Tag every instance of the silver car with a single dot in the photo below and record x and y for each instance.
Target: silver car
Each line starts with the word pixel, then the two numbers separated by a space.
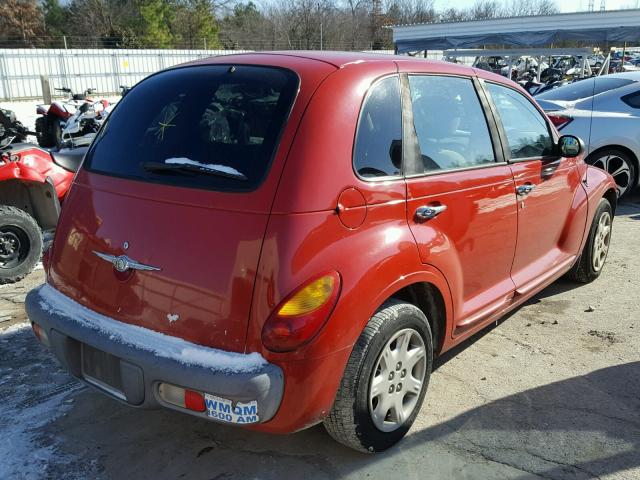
pixel 605 113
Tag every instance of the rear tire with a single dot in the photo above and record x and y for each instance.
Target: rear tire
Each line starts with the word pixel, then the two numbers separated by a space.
pixel 56 132
pixel 20 244
pixel 353 420
pixel 589 265
pixel 43 133
pixel 48 132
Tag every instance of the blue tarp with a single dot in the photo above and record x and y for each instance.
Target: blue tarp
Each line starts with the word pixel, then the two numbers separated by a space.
pixel 521 39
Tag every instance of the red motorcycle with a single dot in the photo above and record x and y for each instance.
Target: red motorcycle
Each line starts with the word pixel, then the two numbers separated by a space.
pixel 33 185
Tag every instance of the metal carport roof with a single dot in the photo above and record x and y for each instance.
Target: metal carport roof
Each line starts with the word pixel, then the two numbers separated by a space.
pixel 614 26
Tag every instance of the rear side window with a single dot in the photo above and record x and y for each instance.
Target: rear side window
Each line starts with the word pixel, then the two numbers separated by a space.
pixel 378 146
pixel 450 124
pixel 526 128
pixel 632 99
pixel 212 126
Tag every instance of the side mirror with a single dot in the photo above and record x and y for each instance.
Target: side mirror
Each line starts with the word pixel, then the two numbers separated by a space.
pixel 570 146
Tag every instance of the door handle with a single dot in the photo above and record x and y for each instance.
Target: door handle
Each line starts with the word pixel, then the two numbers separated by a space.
pixel 429 212
pixel 524 190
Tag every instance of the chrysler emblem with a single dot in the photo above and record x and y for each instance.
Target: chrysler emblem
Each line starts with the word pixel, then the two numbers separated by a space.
pixel 123 263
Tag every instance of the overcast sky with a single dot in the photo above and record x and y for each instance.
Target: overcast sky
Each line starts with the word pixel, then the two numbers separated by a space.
pixel 564 5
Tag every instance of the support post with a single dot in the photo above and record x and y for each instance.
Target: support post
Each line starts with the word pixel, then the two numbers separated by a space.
pixel 539 74
pixel 584 65
pixel 46 89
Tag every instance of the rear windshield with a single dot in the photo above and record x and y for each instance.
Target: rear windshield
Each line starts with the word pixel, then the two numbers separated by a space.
pixel 210 126
pixel 584 88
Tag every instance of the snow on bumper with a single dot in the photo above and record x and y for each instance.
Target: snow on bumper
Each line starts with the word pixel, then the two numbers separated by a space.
pixel 147 358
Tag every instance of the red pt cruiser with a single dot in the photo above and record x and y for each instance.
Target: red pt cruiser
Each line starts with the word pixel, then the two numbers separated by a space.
pixel 280 239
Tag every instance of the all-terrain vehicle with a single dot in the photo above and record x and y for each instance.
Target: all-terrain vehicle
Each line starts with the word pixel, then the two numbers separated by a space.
pixel 33 184
pixel 11 130
pixel 54 118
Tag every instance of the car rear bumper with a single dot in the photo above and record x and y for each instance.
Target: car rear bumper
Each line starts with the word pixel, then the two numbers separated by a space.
pixel 146 358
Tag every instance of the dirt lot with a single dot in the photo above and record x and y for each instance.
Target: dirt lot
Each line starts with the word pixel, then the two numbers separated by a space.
pixel 553 391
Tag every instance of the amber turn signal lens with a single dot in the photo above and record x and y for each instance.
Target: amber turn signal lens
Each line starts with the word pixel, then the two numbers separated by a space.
pixel 310 298
pixel 302 315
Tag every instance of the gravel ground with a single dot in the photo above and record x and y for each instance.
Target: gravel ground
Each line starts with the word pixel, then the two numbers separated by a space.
pixel 552 391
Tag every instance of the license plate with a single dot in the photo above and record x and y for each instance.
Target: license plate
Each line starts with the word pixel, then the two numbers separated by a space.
pixel 102 369
pixel 222 409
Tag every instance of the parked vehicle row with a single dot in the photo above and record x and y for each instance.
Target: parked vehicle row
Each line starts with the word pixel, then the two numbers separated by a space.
pixel 605 113
pixel 333 223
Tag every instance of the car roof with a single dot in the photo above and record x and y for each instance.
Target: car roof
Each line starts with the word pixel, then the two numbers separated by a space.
pixel 335 58
pixel 635 76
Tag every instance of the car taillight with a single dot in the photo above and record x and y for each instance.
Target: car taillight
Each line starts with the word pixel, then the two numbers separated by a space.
pixel 559 120
pixel 301 315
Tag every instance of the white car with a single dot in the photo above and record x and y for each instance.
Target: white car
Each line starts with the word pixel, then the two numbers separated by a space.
pixel 605 113
pixel 595 61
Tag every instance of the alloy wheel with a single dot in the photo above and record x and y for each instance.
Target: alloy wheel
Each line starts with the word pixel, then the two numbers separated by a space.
pixel 601 241
pixel 618 168
pixel 397 380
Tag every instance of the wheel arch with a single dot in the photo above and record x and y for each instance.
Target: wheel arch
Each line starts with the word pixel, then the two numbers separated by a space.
pixel 612 197
pixel 38 199
pixel 428 298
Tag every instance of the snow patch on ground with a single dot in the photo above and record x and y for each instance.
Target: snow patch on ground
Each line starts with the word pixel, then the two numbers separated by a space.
pixel 13 329
pixel 173 348
pixel 210 166
pixel 22 454
pixel 31 399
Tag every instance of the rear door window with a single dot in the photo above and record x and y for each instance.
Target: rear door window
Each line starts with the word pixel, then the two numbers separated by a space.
pixel 450 124
pixel 212 126
pixel 378 146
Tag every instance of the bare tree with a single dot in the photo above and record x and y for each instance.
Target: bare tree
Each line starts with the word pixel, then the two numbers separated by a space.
pixel 518 8
pixel 21 19
pixel 358 15
pixel 486 9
